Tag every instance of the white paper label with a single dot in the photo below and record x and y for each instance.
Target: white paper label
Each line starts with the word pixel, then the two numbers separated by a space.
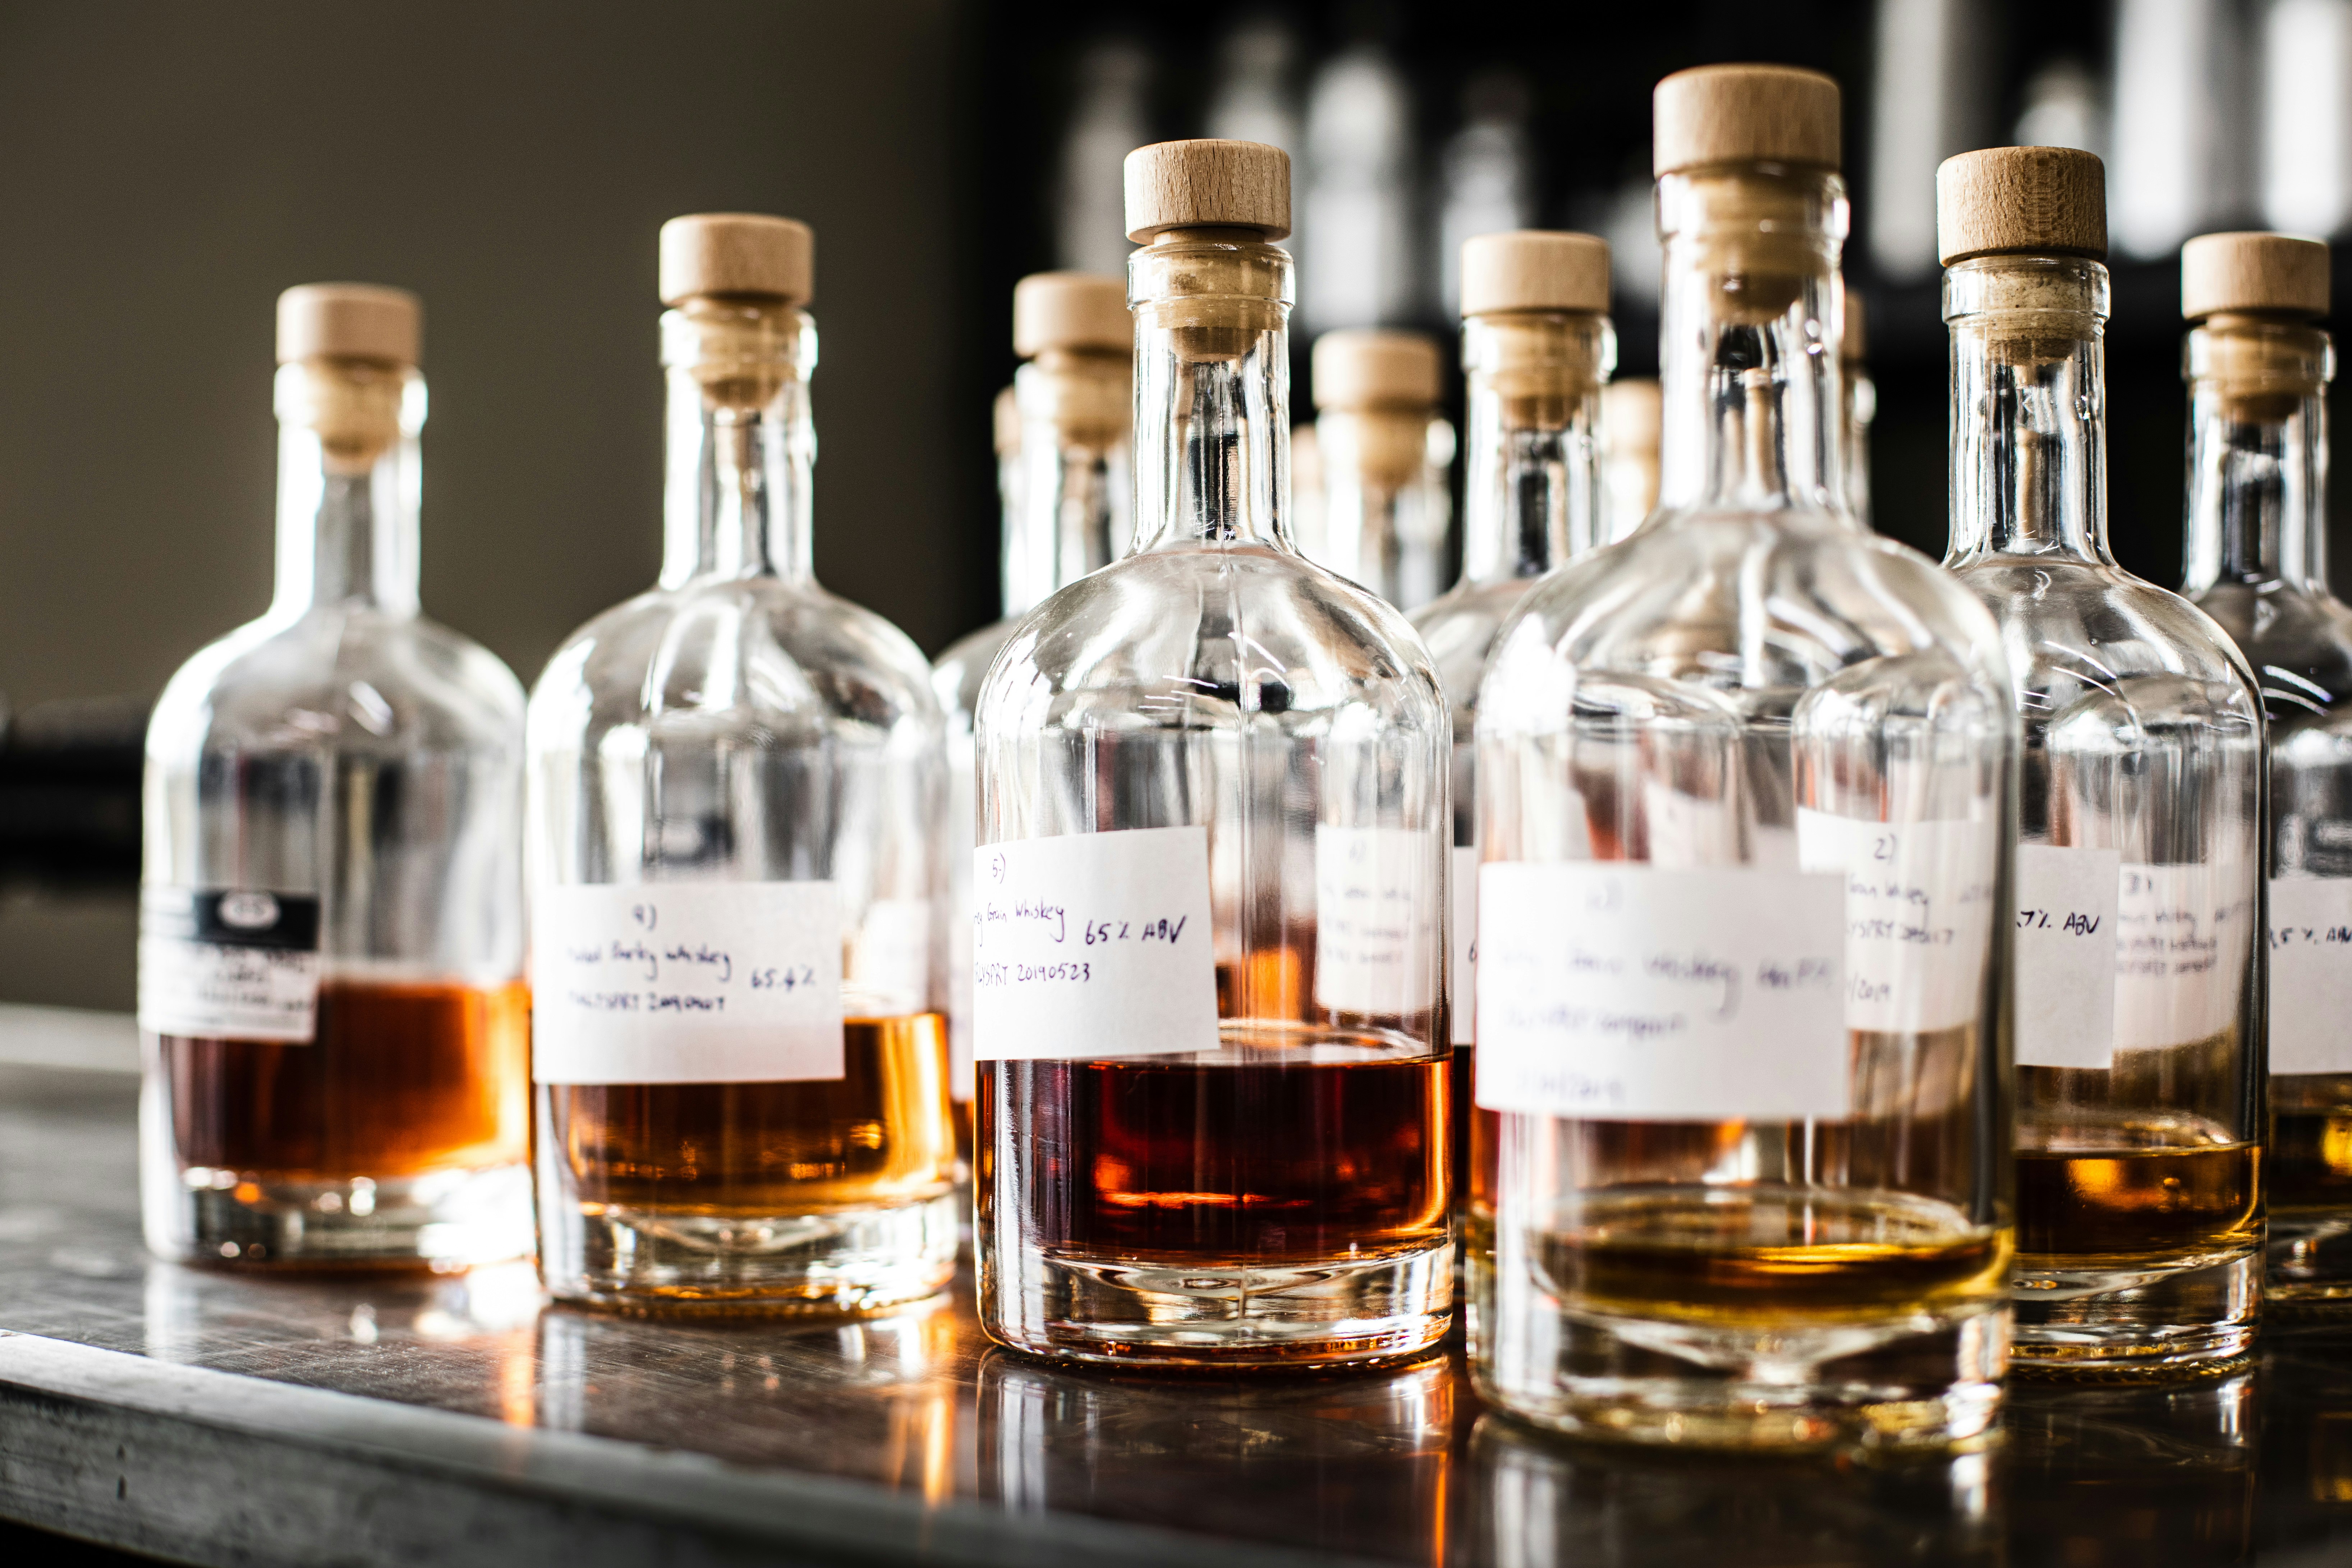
pixel 686 982
pixel 2311 974
pixel 235 964
pixel 1462 991
pixel 1093 944
pixel 888 963
pixel 1377 918
pixel 2065 955
pixel 1619 992
pixel 2182 933
pixel 1918 912
pixel 962 810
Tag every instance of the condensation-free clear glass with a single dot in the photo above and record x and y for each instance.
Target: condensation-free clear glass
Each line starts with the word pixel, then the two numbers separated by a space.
pixel 2257 563
pixel 738 724
pixel 1691 703
pixel 1387 500
pixel 346 750
pixel 2139 1204
pixel 1279 1196
pixel 1067 494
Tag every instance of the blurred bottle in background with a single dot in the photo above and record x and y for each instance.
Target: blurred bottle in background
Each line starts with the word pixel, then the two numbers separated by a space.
pixel 1857 406
pixel 2306 115
pixel 1486 173
pixel 1257 98
pixel 2062 108
pixel 1109 115
pixel 2180 129
pixel 1926 103
pixel 1387 461
pixel 1629 454
pixel 1357 255
pixel 1307 491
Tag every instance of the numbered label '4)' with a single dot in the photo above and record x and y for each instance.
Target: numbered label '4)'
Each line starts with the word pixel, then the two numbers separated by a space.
pixel 1093 944
pixel 1621 991
pixel 686 982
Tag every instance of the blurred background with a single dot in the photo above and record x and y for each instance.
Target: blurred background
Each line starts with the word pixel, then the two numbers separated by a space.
pixel 169 168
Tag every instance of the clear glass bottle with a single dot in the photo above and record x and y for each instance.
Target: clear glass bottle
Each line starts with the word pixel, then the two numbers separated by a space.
pixel 1748 1180
pixel 2139 1104
pixel 1629 454
pixel 1387 463
pixel 741 1083
pixel 2258 365
pixel 1537 347
pixel 1857 408
pixel 1068 495
pixel 331 928
pixel 1210 953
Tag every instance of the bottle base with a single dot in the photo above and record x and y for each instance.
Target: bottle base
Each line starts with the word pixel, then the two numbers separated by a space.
pixel 1212 1314
pixel 2130 1318
pixel 2309 1266
pixel 443 1220
pixel 847 1263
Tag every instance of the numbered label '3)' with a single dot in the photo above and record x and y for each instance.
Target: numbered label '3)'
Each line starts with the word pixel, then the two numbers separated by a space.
pixel 1093 944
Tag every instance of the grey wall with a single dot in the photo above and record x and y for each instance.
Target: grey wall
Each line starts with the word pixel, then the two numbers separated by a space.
pixel 166 168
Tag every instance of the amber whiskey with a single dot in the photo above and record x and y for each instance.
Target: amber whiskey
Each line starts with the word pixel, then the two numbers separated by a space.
pixel 711 1151
pixel 402 1079
pixel 2144 1203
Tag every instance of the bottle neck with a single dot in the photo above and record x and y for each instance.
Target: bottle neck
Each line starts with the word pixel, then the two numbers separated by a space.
pixel 741 443
pixel 1859 402
pixel 1384 499
pixel 1532 495
pixel 348 486
pixel 1748 339
pixel 1212 389
pixel 1069 511
pixel 2257 454
pixel 2029 439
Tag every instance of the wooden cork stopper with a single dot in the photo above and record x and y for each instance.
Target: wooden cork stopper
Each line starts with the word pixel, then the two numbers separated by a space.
pixel 1632 412
pixel 1746 114
pixel 2021 201
pixel 2265 274
pixel 1853 343
pixel 1207 184
pixel 348 320
pixel 1365 367
pixel 744 255
pixel 1071 311
pixel 1007 422
pixel 1534 269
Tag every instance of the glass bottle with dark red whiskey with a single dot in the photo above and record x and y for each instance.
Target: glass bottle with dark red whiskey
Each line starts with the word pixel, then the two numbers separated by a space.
pixel 1209 897
pixel 1536 348
pixel 2140 1098
pixel 331 945
pixel 1066 491
pixel 739 1079
pixel 2258 365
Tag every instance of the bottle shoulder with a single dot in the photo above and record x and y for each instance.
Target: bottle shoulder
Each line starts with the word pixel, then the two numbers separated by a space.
pixel 1238 626
pixel 957 674
pixel 338 679
pixel 780 657
pixel 2298 642
pixel 1742 605
pixel 2068 621
pixel 1459 628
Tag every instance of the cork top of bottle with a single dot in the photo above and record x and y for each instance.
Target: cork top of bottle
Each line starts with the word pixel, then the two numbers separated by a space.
pixel 747 256
pixel 2267 274
pixel 1006 418
pixel 1746 114
pixel 1070 310
pixel 1370 368
pixel 1207 184
pixel 2021 201
pixel 1632 412
pixel 1534 269
pixel 350 321
pixel 1853 344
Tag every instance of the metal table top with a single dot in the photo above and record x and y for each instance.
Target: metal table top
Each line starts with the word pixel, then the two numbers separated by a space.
pixel 215 1417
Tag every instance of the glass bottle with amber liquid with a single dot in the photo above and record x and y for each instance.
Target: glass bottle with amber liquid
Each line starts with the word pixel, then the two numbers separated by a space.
pixel 1537 350
pixel 330 943
pixel 2139 1099
pixel 740 1080
pixel 2258 364
pixel 1744 801
pixel 1067 493
pixel 1386 462
pixel 1208 965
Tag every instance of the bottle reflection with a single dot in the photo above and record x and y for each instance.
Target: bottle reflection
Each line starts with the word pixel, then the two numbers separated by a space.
pixel 872 1401
pixel 1538 1501
pixel 1352 1464
pixel 2139 1476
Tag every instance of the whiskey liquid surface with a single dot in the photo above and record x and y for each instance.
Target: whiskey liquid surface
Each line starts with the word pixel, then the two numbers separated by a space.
pixel 2086 1190
pixel 2310 1156
pixel 1769 1255
pixel 878 1135
pixel 400 1079
pixel 1293 1142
